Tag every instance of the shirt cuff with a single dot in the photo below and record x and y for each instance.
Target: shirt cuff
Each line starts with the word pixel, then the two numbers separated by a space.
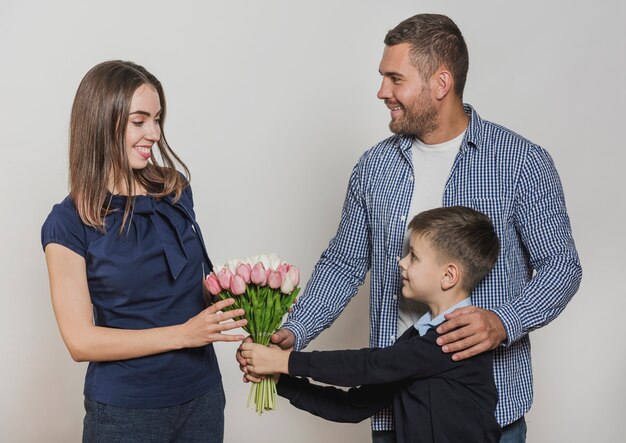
pixel 299 332
pixel 511 321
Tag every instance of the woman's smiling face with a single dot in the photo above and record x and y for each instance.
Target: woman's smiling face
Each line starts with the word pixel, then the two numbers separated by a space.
pixel 143 128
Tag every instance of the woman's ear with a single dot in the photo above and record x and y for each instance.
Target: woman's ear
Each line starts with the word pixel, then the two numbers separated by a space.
pixel 450 277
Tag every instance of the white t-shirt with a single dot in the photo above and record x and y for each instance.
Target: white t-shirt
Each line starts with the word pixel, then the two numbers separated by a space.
pixel 431 169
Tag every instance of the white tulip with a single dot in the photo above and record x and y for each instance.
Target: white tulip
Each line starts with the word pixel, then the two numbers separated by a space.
pixel 274 261
pixel 287 287
pixel 265 260
pixel 249 260
pixel 232 265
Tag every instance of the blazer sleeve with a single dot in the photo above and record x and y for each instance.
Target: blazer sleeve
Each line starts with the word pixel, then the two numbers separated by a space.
pixel 334 404
pixel 410 357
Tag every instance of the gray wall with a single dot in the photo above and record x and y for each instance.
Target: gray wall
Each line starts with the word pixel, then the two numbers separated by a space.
pixel 281 95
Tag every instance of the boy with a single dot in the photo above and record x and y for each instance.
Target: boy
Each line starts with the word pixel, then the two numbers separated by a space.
pixel 434 398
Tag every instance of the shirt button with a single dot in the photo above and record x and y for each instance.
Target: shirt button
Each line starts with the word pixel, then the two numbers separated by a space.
pixel 411 178
pixel 395 297
pixel 392 338
pixel 403 217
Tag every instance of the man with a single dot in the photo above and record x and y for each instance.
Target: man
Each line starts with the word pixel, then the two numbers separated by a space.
pixel 443 153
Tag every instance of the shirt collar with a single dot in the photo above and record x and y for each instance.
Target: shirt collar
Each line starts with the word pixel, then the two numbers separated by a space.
pixel 426 321
pixel 473 134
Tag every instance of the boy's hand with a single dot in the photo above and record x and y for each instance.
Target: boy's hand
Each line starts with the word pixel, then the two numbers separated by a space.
pixel 470 331
pixel 284 338
pixel 243 365
pixel 265 360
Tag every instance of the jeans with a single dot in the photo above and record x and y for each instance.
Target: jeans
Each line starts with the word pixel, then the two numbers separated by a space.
pixel 198 420
pixel 514 432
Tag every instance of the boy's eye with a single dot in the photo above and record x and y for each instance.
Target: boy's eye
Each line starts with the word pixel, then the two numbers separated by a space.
pixel 138 123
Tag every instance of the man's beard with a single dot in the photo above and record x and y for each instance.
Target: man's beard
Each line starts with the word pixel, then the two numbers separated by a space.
pixel 419 118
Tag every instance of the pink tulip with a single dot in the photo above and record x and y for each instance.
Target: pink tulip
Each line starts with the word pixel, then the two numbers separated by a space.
pixel 224 277
pixel 244 270
pixel 283 268
pixel 237 285
pixel 212 284
pixel 274 280
pixel 258 275
pixel 295 275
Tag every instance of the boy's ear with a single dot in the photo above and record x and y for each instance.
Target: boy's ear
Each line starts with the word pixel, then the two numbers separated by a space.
pixel 450 277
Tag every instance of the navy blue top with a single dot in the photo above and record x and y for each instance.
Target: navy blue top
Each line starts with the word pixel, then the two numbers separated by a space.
pixel 147 277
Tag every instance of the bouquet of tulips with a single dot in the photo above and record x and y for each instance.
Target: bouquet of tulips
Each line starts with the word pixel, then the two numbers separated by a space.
pixel 265 288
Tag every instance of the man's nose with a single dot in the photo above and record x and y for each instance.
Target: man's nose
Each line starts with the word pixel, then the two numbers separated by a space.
pixel 384 92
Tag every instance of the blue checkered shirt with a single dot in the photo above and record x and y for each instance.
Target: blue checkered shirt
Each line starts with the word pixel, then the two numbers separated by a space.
pixel 497 172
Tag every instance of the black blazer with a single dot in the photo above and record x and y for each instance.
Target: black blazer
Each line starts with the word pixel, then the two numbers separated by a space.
pixel 435 399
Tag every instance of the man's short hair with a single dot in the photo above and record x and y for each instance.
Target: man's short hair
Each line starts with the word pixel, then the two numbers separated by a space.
pixel 435 40
pixel 462 235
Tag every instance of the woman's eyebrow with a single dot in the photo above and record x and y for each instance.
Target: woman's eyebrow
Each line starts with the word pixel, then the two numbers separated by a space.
pixel 147 114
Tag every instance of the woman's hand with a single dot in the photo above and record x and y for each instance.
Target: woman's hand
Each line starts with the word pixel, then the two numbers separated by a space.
pixel 208 325
pixel 265 360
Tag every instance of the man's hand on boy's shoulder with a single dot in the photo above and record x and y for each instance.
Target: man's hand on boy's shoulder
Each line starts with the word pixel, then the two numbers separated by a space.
pixel 470 331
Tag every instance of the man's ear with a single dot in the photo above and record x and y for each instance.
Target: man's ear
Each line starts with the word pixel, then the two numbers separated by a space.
pixel 450 277
pixel 442 83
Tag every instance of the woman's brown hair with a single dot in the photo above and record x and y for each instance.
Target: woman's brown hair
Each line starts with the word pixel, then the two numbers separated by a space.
pixel 97 151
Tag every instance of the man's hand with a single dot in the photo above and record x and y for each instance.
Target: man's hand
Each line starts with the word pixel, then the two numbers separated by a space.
pixel 470 331
pixel 283 338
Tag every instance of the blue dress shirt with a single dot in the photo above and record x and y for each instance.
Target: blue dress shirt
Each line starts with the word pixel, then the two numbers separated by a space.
pixel 426 321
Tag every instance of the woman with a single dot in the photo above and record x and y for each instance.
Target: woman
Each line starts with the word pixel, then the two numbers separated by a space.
pixel 126 259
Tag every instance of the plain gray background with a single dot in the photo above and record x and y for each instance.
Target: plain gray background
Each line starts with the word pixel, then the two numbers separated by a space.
pixel 270 104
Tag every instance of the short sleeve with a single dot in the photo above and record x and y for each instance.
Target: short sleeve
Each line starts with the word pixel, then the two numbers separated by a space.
pixel 64 227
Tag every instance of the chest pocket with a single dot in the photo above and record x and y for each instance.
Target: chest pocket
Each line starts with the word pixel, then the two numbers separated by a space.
pixel 494 208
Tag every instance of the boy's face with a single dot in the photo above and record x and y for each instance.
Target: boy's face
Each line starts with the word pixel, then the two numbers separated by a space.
pixel 422 272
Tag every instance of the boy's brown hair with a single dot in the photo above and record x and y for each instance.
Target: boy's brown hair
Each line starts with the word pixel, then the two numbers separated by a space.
pixel 460 234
